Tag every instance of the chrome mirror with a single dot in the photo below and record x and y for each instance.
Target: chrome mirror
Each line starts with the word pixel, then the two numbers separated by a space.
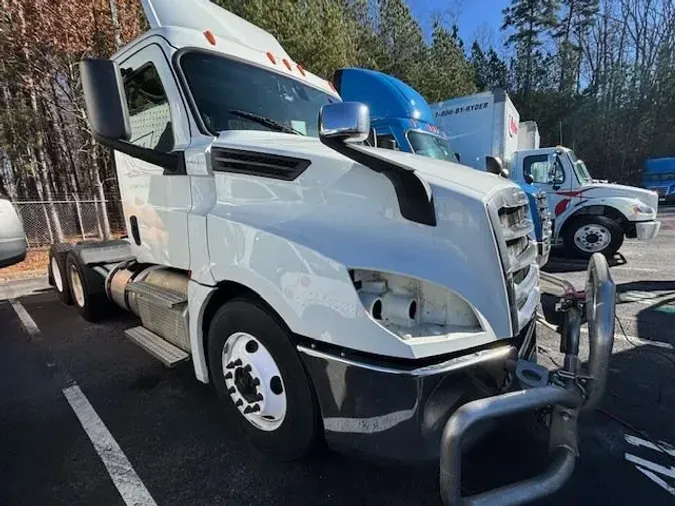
pixel 346 121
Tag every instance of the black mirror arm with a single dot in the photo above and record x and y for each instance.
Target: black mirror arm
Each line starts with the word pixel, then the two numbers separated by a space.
pixel 173 163
pixel 414 202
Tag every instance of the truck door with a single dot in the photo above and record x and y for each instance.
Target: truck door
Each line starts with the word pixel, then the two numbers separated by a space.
pixel 156 201
pixel 549 176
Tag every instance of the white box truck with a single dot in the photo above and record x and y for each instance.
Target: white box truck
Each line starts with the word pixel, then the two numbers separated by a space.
pixel 589 216
pixel 327 289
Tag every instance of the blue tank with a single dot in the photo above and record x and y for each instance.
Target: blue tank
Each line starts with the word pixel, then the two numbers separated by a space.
pixel 403 120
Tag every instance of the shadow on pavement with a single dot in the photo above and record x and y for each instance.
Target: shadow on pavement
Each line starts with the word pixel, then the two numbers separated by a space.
pixel 562 261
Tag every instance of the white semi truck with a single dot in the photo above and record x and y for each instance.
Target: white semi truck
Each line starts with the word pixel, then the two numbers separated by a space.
pixel 327 289
pixel 589 216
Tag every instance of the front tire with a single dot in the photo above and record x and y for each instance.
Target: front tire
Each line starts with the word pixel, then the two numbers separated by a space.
pixel 593 234
pixel 261 381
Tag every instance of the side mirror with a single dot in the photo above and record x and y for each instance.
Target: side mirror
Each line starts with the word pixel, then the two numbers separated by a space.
pixel 106 103
pixel 529 179
pixel 494 165
pixel 345 121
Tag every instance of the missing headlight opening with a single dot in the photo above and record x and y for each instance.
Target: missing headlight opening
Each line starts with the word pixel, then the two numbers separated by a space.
pixel 413 308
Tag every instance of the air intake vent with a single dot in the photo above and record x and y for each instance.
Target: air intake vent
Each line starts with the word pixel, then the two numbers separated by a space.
pixel 258 164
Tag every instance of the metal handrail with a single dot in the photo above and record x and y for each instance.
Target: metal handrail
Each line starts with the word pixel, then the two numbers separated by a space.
pixel 566 391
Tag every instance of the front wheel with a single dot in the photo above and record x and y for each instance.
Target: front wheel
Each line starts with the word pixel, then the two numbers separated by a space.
pixel 593 234
pixel 261 381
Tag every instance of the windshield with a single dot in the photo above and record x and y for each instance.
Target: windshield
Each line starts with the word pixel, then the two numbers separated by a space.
pixel 580 169
pixel 430 145
pixel 232 95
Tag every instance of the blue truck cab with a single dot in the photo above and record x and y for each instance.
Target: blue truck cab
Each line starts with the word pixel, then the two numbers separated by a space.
pixel 403 120
pixel 400 116
pixel 659 175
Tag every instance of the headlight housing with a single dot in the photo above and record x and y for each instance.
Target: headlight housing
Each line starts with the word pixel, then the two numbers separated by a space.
pixel 640 208
pixel 413 308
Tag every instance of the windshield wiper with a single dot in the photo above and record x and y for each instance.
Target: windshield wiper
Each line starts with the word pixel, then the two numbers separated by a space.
pixel 265 121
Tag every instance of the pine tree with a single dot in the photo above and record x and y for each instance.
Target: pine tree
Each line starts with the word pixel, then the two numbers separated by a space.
pixel 491 71
pixel 480 64
pixel 401 35
pixel 579 16
pixel 448 73
pixel 529 19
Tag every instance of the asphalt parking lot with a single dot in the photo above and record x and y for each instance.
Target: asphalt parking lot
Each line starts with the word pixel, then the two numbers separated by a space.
pixel 79 404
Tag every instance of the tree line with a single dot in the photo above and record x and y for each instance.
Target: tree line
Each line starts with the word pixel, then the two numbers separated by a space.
pixel 597 75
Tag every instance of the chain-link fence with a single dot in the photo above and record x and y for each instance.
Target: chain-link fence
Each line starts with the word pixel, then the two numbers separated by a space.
pixel 72 220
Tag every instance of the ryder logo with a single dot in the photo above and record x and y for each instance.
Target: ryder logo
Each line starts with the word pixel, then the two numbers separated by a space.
pixel 513 127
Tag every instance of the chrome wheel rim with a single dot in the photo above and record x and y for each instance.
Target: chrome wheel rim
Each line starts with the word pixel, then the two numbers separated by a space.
pixel 592 238
pixel 56 275
pixel 253 381
pixel 76 286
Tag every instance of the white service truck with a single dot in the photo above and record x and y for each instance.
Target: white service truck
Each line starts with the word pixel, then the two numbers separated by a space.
pixel 589 216
pixel 327 289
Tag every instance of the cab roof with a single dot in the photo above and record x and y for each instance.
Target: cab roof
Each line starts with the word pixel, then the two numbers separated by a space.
pixel 386 96
pixel 202 24
pixel 201 15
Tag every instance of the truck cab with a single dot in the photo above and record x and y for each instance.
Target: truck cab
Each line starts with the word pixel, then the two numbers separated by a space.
pixel 588 216
pixel 329 290
pixel 659 176
pixel 400 117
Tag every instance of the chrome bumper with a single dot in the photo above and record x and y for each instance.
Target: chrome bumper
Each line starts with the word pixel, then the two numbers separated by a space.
pixel 567 390
pixel 647 230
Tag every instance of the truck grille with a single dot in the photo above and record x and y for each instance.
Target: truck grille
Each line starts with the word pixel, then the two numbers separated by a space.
pixel 509 212
pixel 546 227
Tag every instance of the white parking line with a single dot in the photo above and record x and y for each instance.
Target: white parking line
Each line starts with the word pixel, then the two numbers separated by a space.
pixel 26 320
pixel 130 486
pixel 128 483
pixel 648 468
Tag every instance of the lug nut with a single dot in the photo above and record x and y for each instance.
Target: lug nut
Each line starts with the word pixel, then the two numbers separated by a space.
pixel 239 402
pixel 255 382
pixel 228 376
pixel 247 368
pixel 259 397
pixel 251 409
pixel 235 363
pixel 231 390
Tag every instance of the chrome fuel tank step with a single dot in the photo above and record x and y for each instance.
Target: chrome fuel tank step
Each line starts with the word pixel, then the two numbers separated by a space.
pixel 159 348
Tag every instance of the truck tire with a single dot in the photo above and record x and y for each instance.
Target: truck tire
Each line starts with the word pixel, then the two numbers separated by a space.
pixel 261 381
pixel 593 234
pixel 56 270
pixel 87 288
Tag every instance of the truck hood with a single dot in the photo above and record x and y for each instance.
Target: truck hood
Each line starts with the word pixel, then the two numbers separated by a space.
pixel 348 213
pixel 599 190
pixel 440 173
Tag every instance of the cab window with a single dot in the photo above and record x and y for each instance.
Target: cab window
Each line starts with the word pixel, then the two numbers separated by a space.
pixel 539 168
pixel 149 113
pixel 387 141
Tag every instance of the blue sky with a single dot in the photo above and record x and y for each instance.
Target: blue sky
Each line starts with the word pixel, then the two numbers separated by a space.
pixel 474 17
